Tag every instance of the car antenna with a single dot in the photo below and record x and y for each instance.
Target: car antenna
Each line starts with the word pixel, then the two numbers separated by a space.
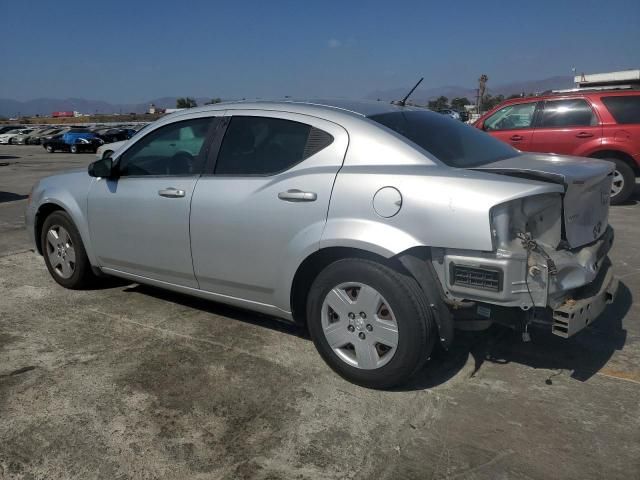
pixel 403 102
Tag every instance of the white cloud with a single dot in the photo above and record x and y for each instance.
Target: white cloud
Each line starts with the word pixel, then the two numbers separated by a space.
pixel 334 43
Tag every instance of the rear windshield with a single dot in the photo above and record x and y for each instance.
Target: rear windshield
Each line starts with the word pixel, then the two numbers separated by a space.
pixel 624 109
pixel 450 141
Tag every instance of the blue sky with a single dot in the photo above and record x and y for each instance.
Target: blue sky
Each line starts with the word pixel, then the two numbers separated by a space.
pixel 132 51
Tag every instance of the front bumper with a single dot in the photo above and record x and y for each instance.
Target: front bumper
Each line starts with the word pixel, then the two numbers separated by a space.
pixel 586 304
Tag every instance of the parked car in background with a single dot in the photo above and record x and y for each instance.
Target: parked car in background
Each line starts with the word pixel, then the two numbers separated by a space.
pixel 379 227
pixel 74 142
pixel 9 138
pixel 450 112
pixel 589 123
pixel 107 149
pixel 21 138
pixel 36 137
pixel 7 128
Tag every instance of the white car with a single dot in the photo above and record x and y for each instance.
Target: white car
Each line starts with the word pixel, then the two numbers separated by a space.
pixel 8 138
pixel 108 149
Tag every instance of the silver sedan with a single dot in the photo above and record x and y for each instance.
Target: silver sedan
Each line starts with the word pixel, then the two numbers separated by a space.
pixel 381 228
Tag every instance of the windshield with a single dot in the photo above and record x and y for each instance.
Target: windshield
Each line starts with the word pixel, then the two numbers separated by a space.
pixel 450 141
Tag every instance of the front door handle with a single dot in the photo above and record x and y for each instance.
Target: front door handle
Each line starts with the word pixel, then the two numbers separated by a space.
pixel 516 138
pixel 171 193
pixel 584 135
pixel 297 196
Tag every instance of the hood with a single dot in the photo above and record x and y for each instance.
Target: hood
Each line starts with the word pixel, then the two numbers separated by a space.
pixel 587 188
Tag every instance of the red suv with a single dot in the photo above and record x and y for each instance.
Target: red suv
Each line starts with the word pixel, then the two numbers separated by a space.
pixel 598 124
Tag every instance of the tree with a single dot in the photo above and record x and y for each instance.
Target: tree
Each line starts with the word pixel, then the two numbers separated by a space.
pixel 438 104
pixel 458 103
pixel 213 101
pixel 489 101
pixel 186 102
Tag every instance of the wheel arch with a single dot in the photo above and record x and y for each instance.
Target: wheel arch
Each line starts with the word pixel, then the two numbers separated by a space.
pixel 413 262
pixel 42 213
pixel 620 155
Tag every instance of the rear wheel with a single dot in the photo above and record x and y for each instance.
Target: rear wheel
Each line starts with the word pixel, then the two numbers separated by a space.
pixel 624 181
pixel 74 149
pixel 49 149
pixel 370 323
pixel 64 252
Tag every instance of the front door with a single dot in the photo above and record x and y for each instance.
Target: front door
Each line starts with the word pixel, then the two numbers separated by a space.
pixel 513 124
pixel 263 206
pixel 139 222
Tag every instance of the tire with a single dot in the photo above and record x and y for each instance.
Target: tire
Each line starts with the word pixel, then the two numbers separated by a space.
pixel 67 249
pixel 10 141
pixel 49 148
pixel 74 149
pixel 624 181
pixel 401 306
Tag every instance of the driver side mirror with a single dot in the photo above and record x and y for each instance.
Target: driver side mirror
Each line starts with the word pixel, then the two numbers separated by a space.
pixel 103 168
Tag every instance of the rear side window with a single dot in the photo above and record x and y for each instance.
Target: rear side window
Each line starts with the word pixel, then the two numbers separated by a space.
pixel 624 109
pixel 567 113
pixel 266 146
pixel 450 141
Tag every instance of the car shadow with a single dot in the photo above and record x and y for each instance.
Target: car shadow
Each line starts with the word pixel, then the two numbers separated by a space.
pixel 633 199
pixel 11 197
pixel 220 309
pixel 8 157
pixel 583 355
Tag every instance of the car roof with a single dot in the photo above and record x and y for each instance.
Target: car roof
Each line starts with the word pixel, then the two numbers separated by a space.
pixel 571 94
pixel 321 107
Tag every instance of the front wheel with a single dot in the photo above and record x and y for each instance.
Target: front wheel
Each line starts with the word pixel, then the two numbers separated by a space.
pixel 370 323
pixel 64 252
pixel 49 149
pixel 624 181
pixel 74 149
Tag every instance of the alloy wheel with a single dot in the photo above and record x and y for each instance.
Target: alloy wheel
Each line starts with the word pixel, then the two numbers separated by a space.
pixel 60 251
pixel 359 325
pixel 618 183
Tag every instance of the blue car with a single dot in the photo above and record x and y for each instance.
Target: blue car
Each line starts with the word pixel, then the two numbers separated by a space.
pixel 74 141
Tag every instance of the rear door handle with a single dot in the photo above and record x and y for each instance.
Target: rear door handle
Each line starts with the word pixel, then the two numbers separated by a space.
pixel 516 138
pixel 297 196
pixel 584 135
pixel 171 193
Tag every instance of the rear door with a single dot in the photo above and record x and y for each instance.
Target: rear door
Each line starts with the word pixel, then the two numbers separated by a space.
pixel 513 124
pixel 263 206
pixel 566 127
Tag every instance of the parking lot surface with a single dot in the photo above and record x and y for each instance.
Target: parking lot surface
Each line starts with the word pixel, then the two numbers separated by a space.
pixel 129 381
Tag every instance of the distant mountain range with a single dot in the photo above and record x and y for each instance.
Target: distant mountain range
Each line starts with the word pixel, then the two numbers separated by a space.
pixel 44 106
pixel 423 95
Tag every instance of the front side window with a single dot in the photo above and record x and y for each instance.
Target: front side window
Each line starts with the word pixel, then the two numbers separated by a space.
pixel 266 146
pixel 511 117
pixel 450 141
pixel 567 113
pixel 176 149
pixel 625 109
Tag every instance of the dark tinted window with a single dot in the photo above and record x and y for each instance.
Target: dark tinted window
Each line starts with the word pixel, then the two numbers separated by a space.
pixel 624 109
pixel 265 146
pixel 567 113
pixel 450 141
pixel 175 149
